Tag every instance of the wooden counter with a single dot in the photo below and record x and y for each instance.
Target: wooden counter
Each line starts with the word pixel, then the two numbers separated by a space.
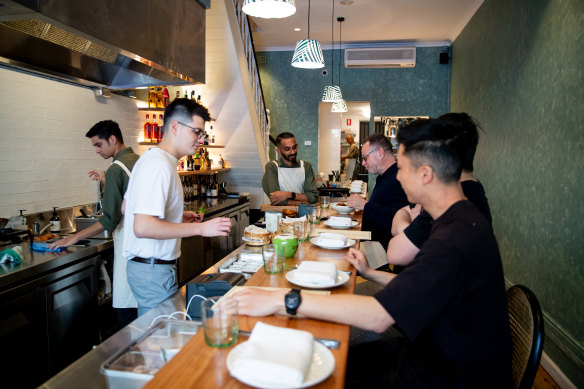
pixel 200 366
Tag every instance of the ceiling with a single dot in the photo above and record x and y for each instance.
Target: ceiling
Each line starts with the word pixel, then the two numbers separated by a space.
pixel 368 22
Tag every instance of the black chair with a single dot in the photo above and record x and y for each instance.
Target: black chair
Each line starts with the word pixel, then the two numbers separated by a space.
pixel 527 333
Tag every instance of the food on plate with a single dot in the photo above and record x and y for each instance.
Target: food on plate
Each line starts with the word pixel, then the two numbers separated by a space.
pixel 290 213
pixel 342 204
pixel 257 235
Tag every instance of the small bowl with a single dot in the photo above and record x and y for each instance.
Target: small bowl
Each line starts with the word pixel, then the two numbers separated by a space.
pixel 289 240
pixel 342 208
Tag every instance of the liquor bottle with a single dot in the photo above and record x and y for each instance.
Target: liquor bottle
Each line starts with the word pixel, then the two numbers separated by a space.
pixel 209 160
pixel 155 129
pixel 186 96
pixel 166 97
pixel 193 95
pixel 199 99
pixel 160 125
pixel 177 95
pixel 55 221
pixel 195 187
pixel 147 129
pixel 221 162
pixel 212 135
pixel 190 163
pixel 203 188
pixel 159 98
pixel 151 97
pixel 197 161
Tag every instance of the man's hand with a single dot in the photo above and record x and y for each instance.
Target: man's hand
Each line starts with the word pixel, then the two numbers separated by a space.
pixel 278 196
pixel 68 241
pixel 259 302
pixel 358 259
pixel 216 227
pixel 415 212
pixel 97 175
pixel 192 217
pixel 356 201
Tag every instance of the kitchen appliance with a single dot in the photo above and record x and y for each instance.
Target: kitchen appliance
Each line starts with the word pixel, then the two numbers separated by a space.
pixel 107 43
pixel 11 236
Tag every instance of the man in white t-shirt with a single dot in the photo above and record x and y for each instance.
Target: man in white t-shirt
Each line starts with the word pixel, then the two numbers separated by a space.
pixel 154 220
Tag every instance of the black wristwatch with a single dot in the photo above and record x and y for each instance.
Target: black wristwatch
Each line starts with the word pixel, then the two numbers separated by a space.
pixel 293 196
pixel 292 301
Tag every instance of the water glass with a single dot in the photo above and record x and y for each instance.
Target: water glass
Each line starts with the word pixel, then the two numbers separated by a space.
pixel 314 215
pixel 219 321
pixel 325 202
pixel 273 256
pixel 301 230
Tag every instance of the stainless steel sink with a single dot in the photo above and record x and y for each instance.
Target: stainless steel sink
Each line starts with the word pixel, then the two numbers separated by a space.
pixel 85 222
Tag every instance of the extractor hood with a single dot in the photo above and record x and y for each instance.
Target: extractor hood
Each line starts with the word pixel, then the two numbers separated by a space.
pixel 118 44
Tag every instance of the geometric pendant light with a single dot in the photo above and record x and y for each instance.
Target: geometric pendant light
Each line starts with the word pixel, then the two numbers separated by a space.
pixel 269 9
pixel 339 106
pixel 308 53
pixel 332 92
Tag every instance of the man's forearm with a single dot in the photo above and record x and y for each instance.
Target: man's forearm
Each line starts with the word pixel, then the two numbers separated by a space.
pixel 151 227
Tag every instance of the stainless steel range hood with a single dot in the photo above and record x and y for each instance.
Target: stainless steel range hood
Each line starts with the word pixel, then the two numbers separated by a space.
pixel 118 44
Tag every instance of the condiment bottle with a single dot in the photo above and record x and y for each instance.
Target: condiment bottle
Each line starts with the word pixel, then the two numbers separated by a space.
pixel 147 129
pixel 55 221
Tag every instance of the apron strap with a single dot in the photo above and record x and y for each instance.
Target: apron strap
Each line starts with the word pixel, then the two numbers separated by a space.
pixel 124 167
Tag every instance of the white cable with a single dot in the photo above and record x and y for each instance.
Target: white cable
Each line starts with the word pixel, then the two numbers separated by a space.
pixel 171 316
pixel 191 299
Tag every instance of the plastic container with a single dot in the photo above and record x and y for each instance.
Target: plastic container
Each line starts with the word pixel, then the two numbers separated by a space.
pixel 136 364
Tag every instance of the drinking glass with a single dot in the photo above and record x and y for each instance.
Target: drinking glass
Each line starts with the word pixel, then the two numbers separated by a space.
pixel 219 321
pixel 325 202
pixel 273 256
pixel 301 230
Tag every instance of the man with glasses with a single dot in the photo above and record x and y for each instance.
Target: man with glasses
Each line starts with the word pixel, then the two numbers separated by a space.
pixel 154 220
pixel 291 181
pixel 387 196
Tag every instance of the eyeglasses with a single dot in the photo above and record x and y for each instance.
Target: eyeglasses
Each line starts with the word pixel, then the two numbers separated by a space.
pixel 199 132
pixel 367 155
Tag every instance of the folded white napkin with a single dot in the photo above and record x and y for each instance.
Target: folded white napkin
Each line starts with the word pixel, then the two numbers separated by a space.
pixel 356 186
pixel 332 240
pixel 314 272
pixel 275 356
pixel 340 221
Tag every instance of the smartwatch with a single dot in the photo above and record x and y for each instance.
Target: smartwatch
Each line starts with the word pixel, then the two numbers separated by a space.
pixel 293 196
pixel 292 301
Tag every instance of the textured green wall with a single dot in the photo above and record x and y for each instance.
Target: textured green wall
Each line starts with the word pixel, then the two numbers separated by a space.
pixel 292 95
pixel 517 68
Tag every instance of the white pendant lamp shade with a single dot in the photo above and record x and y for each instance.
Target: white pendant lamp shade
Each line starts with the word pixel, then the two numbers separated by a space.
pixel 331 94
pixel 269 9
pixel 308 55
pixel 339 106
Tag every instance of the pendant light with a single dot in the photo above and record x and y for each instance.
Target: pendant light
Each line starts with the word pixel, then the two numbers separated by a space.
pixel 308 53
pixel 332 93
pixel 269 9
pixel 340 105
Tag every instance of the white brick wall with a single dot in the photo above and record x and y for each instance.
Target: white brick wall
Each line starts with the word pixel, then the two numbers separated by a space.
pixel 44 154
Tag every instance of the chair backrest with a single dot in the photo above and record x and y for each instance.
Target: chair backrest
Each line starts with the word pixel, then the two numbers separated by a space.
pixel 527 333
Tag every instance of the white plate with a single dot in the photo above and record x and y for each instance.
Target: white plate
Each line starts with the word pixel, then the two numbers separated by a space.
pixel 342 277
pixel 353 224
pixel 321 367
pixel 315 241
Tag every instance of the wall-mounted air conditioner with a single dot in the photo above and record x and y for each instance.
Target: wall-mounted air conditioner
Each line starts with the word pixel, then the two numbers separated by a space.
pixel 381 57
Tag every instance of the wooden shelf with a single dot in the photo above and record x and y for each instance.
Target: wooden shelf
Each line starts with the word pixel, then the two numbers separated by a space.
pixel 200 147
pixel 203 172
pixel 152 109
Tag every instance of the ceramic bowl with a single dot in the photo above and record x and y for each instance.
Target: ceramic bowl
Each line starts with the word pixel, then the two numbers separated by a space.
pixel 342 208
pixel 289 240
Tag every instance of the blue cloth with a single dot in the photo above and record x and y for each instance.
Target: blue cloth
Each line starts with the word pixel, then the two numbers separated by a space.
pixel 387 198
pixel 151 284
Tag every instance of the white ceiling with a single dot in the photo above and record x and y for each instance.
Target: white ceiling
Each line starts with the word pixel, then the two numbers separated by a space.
pixel 415 22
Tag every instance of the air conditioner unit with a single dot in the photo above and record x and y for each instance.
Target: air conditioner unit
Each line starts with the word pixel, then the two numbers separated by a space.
pixel 381 57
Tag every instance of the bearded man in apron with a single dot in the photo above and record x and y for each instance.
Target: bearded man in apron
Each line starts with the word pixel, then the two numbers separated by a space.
pixel 106 138
pixel 289 181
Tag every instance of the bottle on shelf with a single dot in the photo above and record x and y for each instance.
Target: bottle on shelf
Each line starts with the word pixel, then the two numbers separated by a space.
pixel 160 125
pixel 166 97
pixel 155 129
pixel 197 161
pixel 177 95
pixel 212 135
pixel 190 163
pixel 203 188
pixel 151 97
pixel 193 95
pixel 209 160
pixel 159 98
pixel 55 221
pixel 147 129
pixel 221 162
pixel 199 99
pixel 186 96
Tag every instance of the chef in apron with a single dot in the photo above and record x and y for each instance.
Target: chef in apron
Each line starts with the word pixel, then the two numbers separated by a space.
pixel 289 181
pixel 351 157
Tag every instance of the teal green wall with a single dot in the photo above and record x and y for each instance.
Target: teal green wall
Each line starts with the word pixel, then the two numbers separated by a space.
pixel 518 68
pixel 292 94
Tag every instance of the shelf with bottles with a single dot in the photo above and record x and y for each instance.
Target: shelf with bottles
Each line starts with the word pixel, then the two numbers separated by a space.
pixel 203 172
pixel 151 109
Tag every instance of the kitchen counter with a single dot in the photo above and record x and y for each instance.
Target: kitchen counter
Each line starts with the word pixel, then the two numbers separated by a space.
pixel 214 205
pixel 37 263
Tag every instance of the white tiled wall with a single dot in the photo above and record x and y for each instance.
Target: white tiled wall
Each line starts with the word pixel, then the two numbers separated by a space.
pixel 44 154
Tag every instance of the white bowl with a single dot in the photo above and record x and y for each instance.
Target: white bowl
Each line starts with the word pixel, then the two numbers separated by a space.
pixel 342 209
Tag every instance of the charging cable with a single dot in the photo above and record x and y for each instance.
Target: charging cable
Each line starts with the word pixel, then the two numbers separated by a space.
pixel 186 315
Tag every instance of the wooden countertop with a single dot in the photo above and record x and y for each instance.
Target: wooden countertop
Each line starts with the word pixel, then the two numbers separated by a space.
pixel 200 366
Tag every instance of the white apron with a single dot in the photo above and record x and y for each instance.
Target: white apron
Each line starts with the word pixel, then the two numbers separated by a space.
pixel 350 167
pixel 291 179
pixel 122 294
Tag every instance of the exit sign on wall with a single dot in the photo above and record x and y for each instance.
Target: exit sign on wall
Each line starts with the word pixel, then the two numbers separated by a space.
pixel 348 122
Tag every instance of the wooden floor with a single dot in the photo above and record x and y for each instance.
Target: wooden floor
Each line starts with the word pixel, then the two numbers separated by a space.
pixel 543 380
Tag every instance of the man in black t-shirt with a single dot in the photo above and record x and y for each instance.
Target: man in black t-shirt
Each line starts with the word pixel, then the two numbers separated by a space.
pixel 449 301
